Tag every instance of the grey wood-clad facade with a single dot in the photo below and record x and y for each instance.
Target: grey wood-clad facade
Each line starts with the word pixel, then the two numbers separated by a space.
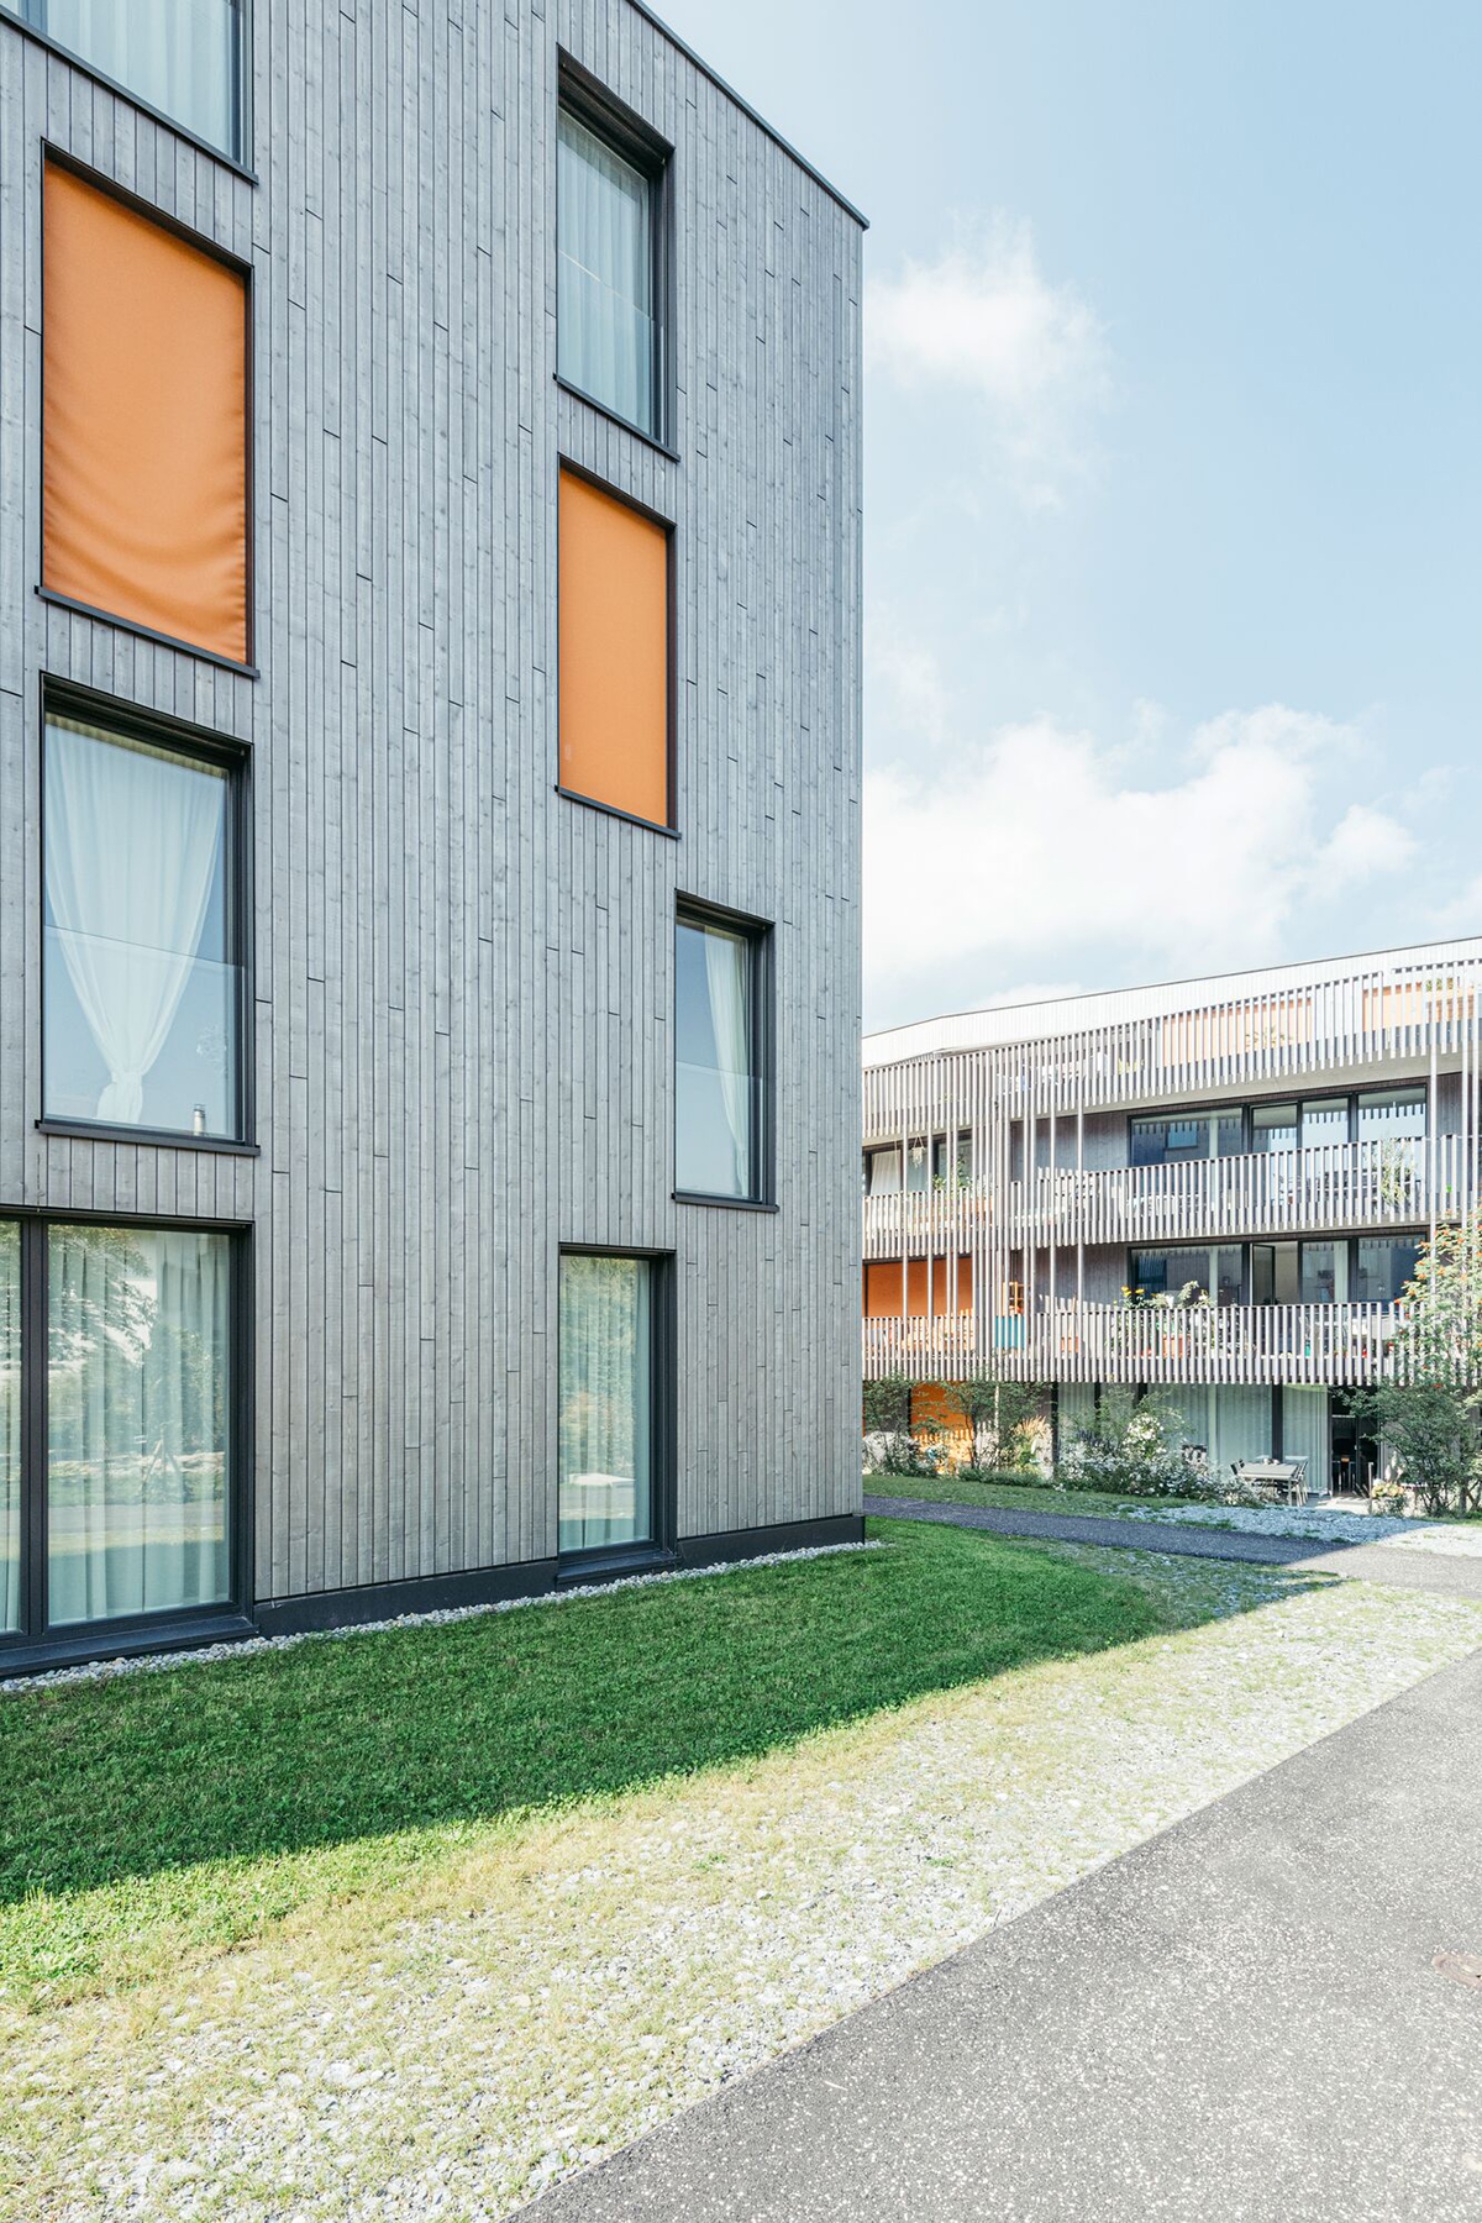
pixel 463 982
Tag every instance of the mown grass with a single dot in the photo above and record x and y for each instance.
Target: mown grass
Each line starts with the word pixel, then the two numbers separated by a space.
pixel 159 1814
pixel 1018 1497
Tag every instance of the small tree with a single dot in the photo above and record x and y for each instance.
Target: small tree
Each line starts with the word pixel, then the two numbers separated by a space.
pixel 1000 1415
pixel 887 1422
pixel 1429 1408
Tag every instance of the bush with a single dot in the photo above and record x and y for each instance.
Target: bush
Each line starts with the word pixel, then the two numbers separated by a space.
pixel 1135 1450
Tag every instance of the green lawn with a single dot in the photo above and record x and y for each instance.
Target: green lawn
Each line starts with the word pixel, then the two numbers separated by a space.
pixel 1019 1497
pixel 158 1814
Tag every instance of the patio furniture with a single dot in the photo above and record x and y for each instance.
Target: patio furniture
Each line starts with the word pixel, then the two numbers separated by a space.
pixel 1285 1480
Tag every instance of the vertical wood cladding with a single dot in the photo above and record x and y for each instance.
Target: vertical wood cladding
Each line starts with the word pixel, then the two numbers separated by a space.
pixel 462 1033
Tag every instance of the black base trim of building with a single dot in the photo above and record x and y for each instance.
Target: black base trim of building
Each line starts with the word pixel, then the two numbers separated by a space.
pixel 757 1543
pixel 189 1633
pixel 387 1601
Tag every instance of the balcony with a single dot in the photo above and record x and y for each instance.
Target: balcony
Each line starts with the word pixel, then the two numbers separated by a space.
pixel 1344 1185
pixel 912 1221
pixel 1322 1344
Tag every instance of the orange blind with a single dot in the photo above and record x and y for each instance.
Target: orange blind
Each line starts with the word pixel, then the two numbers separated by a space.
pixel 614 645
pixel 965 1282
pixel 145 432
pixel 883 1290
pixel 916 1288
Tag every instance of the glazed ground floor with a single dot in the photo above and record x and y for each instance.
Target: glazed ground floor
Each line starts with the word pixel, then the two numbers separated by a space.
pixel 126 1446
pixel 1229 1421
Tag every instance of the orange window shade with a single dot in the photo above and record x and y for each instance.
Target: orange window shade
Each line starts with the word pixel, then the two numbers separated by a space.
pixel 145 421
pixel 965 1283
pixel 614 648
pixel 916 1288
pixel 941 1287
pixel 883 1290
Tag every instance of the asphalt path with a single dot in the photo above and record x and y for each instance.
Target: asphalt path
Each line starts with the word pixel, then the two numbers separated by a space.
pixel 1243 2021
pixel 1405 1569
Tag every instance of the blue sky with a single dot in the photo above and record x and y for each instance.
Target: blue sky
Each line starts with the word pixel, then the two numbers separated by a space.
pixel 1174 479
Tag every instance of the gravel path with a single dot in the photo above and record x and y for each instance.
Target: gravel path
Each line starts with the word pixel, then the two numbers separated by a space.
pixel 1458 1572
pixel 448 2052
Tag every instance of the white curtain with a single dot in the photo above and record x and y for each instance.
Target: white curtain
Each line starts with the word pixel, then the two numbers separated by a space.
pixel 1243 1418
pixel 179 55
pixel 10 1424
pixel 1305 1435
pixel 725 975
pixel 604 303
pixel 603 1493
pixel 138 1391
pixel 132 838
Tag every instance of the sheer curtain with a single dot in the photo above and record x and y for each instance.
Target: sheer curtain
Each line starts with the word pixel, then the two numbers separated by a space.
pixel 604 299
pixel 604 1492
pixel 10 1424
pixel 138 1389
pixel 132 838
pixel 726 966
pixel 179 55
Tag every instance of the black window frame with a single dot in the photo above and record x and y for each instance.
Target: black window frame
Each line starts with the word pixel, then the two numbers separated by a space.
pixel 1246 1109
pixel 635 141
pixel 760 936
pixel 659 1550
pixel 29 16
pixel 36 1644
pixel 233 759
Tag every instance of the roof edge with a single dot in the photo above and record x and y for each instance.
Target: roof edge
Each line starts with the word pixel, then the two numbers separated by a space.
pixel 683 47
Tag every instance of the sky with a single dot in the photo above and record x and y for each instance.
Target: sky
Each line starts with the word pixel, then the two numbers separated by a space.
pixel 1173 483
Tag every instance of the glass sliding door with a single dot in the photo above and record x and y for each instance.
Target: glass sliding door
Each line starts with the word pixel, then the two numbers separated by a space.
pixel 10 1424
pixel 138 1417
pixel 605 1423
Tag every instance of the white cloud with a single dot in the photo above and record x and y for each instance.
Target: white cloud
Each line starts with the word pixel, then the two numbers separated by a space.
pixel 1043 851
pixel 984 319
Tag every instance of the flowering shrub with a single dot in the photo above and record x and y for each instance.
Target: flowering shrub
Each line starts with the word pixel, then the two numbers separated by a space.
pixel 1133 1450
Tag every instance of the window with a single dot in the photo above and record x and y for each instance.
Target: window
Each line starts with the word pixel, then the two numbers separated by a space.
pixel 1324 1273
pixel 1392 1115
pixel 130 1471
pixel 613 617
pixel 1273 1127
pixel 1216 1273
pixel 1274 1273
pixel 606 1431
pixel 884 1289
pixel 918 1178
pixel 187 58
pixel 1174 1139
pixel 144 421
pixel 1383 1267
pixel 607 270
pixel 1324 1122
pixel 883 1172
pixel 719 1112
pixel 142 985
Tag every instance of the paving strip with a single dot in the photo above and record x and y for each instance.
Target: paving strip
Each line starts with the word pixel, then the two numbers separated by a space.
pixel 1273 2009
pixel 1458 1577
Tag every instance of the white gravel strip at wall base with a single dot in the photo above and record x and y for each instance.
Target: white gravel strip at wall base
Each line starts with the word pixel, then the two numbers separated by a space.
pixel 159 1663
pixel 552 1999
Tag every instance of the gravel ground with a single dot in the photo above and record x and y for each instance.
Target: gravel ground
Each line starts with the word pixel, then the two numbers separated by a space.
pixel 1328 1525
pixel 449 2052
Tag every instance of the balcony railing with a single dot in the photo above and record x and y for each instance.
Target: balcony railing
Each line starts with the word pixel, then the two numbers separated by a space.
pixel 1316 1343
pixel 1344 1185
pixel 923 1219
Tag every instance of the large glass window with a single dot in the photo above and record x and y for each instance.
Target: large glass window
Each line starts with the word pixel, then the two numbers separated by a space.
pixel 606 328
pixel 1199 1270
pixel 605 1494
pixel 883 1172
pixel 1273 1127
pixel 138 1421
pixel 1385 1263
pixel 10 1424
pixel 1176 1138
pixel 718 1111
pixel 1324 1121
pixel 1275 1273
pixel 1324 1273
pixel 142 989
pixel 184 57
pixel 1392 1115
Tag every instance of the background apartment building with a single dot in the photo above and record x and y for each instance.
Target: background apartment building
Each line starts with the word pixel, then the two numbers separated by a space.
pixel 429 735
pixel 1044 1185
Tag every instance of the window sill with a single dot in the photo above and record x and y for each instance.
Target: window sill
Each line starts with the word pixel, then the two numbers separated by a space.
pixel 611 1566
pixel 85 1641
pixel 153 1138
pixel 610 810
pixel 724 1203
pixel 146 633
pixel 624 424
